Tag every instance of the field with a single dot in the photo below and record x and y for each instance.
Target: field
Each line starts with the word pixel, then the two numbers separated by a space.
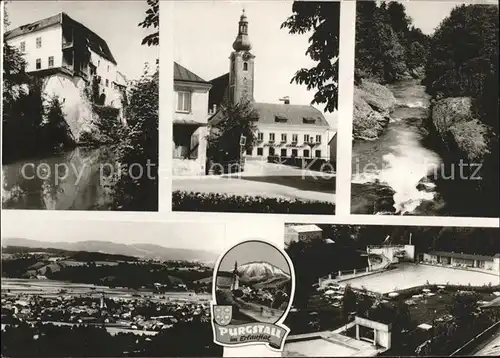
pixel 411 275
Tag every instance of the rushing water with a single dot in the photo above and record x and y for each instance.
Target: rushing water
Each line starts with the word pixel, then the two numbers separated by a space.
pixel 399 160
pixel 78 179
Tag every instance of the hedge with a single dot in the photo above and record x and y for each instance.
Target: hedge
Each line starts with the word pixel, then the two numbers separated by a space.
pixel 407 293
pixel 316 164
pixel 213 202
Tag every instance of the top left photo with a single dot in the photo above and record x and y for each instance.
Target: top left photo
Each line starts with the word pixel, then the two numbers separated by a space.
pixel 80 105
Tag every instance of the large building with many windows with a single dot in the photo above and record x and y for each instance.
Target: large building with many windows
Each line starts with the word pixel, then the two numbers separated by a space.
pixel 59 45
pixel 283 129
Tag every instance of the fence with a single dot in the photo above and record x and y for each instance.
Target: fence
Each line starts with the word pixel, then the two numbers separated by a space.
pixel 316 164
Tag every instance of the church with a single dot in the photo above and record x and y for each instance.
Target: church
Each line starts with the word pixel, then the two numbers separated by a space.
pixel 283 129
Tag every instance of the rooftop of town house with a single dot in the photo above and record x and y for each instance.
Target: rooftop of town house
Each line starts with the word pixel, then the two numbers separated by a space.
pixel 181 73
pixel 94 41
pixel 461 255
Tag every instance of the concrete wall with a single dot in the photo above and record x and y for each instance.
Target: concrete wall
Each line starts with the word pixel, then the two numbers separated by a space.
pixel 391 252
pixel 382 331
pixel 290 130
pixel 51 46
pixel 290 236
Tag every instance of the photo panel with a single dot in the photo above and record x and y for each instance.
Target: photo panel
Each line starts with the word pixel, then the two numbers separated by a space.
pixel 425 110
pixel 80 105
pixel 255 107
pixel 95 288
pixel 368 290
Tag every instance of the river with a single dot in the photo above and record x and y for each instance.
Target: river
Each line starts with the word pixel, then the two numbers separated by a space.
pixel 394 170
pixel 77 179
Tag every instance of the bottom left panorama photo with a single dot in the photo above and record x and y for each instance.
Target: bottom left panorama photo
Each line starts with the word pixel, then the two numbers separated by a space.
pixel 81 288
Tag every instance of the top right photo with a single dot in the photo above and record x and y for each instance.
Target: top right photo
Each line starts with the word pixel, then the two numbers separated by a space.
pixel 425 116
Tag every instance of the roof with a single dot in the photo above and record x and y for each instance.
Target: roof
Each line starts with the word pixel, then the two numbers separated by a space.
pixel 94 41
pixel 460 255
pixel 289 114
pixel 306 228
pixel 181 73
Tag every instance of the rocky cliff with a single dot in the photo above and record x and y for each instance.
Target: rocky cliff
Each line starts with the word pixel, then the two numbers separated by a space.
pixel 372 105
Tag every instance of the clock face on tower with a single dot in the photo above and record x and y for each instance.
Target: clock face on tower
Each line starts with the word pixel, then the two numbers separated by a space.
pixel 246 56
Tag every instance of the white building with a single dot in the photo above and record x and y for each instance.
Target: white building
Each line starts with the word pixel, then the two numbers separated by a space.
pixel 456 259
pixel 304 233
pixel 60 45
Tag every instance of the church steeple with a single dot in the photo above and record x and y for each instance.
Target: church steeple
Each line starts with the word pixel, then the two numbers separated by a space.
pixel 242 42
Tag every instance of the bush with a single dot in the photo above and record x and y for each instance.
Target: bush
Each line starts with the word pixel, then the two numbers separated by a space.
pixel 213 202
pixel 316 164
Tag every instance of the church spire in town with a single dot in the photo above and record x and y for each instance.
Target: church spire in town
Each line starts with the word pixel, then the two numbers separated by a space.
pixel 242 42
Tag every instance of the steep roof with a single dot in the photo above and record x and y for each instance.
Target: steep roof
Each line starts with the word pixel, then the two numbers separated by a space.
pixel 289 114
pixel 94 41
pixel 181 73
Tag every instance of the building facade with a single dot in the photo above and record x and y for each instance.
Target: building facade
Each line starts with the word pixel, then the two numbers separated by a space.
pixel 61 46
pixel 304 233
pixel 283 129
pixel 482 262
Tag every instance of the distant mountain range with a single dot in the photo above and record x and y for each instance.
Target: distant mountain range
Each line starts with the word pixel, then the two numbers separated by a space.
pixel 262 274
pixel 146 251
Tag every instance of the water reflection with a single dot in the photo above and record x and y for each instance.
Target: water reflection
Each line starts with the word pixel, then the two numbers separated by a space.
pixel 73 180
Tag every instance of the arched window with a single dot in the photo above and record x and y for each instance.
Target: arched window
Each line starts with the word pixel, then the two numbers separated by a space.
pixel 245 66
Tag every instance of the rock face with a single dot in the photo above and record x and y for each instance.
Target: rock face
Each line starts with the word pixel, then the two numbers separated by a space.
pixel 372 105
pixel 462 134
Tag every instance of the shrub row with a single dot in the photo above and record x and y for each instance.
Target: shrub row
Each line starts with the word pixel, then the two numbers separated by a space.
pixel 213 202
pixel 316 164
pixel 407 293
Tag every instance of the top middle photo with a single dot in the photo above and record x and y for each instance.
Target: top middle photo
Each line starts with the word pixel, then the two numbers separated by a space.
pixel 255 107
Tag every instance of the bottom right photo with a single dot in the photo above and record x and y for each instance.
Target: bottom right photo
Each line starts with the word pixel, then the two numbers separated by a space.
pixel 373 290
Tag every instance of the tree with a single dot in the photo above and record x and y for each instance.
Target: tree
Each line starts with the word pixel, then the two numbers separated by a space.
pixel 152 20
pixel 323 20
pixel 463 307
pixel 224 139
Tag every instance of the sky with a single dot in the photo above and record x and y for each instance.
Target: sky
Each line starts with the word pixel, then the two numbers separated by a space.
pixel 117 26
pixel 251 252
pixel 427 15
pixel 204 32
pixel 180 234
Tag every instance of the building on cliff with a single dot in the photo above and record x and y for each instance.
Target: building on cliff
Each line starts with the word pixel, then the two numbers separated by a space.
pixel 60 47
pixel 283 129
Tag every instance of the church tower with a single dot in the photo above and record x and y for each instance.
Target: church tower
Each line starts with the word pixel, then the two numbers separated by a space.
pixel 236 279
pixel 241 71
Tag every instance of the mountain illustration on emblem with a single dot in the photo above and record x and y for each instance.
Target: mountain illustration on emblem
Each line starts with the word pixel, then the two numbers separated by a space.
pixel 254 279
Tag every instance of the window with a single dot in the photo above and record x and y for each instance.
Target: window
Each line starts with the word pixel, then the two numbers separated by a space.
pixel 108 68
pixel 98 63
pixel 51 61
pixel 283 152
pixel 38 63
pixel 308 120
pixel 245 66
pixel 107 82
pixel 38 42
pixel 306 153
pixel 249 151
pixel 260 151
pixel 271 137
pixel 183 101
pixel 294 152
pixel 295 138
pixel 22 47
pixel 271 151
pixel 260 136
pixel 317 153
pixel 306 138
pixel 283 137
pixel 318 138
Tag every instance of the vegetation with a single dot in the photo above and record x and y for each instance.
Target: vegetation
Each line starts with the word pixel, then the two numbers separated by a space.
pixel 323 20
pixel 388 46
pixel 136 188
pixel 192 201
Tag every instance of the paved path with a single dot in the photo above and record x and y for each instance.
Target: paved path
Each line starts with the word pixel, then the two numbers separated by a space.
pixel 491 348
